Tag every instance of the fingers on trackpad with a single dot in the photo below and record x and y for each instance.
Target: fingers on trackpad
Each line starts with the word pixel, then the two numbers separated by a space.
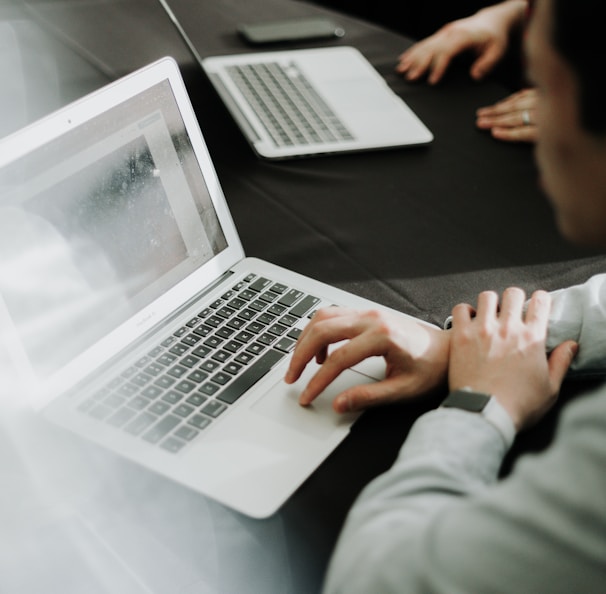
pixel 318 420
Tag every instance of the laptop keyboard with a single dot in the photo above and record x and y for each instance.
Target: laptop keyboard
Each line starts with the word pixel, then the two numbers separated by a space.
pixel 291 111
pixel 192 377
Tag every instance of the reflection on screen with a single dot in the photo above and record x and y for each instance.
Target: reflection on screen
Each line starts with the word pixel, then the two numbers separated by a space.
pixel 118 206
pixel 98 224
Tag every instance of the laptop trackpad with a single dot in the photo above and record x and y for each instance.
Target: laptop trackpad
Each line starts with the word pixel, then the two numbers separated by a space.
pixel 317 420
pixel 359 96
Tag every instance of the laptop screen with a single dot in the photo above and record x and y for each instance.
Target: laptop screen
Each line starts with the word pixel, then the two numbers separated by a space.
pixel 100 222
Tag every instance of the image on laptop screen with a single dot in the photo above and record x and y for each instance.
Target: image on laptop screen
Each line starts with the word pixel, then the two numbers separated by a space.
pixel 94 215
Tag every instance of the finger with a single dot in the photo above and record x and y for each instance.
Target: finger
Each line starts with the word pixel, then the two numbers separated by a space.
pixel 512 304
pixel 518 101
pixel 559 362
pixel 442 56
pixel 511 119
pixel 513 107
pixel 439 67
pixel 486 62
pixel 405 60
pixel 418 53
pixel 318 383
pixel 342 358
pixel 501 110
pixel 462 314
pixel 417 69
pixel 304 352
pixel 327 326
pixel 324 314
pixel 488 302
pixel 525 99
pixel 519 134
pixel 491 111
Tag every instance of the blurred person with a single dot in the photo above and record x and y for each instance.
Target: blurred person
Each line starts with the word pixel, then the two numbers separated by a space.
pixel 440 520
pixel 489 34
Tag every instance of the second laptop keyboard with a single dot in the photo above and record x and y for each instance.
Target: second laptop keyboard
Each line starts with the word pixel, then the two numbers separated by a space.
pixel 288 106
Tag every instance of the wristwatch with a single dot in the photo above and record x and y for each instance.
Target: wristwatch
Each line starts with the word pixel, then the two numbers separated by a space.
pixel 486 405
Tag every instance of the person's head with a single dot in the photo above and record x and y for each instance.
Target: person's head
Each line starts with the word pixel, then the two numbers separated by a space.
pixel 566 55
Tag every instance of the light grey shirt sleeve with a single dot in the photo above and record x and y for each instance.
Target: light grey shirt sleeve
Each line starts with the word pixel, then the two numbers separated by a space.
pixel 439 521
pixel 579 313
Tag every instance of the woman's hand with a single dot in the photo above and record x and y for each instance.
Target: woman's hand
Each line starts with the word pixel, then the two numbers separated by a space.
pixel 486 33
pixel 513 119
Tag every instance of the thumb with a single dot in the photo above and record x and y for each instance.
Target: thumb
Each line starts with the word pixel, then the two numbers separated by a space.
pixel 371 394
pixel 560 360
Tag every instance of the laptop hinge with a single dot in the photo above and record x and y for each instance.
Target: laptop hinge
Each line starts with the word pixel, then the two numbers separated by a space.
pixel 125 352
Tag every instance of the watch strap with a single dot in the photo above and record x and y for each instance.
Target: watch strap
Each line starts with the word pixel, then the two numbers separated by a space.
pixel 486 405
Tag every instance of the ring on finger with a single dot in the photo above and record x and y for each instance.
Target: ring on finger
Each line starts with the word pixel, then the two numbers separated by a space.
pixel 526 117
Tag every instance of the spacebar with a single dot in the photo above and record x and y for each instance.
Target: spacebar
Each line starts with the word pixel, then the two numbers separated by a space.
pixel 250 377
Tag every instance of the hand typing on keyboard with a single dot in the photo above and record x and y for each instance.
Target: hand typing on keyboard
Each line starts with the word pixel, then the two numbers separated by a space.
pixel 416 356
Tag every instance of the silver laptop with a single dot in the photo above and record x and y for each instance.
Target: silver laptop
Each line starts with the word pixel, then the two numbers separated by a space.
pixel 129 314
pixel 299 103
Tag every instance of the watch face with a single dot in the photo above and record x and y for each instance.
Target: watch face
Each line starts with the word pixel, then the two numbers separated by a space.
pixel 467 400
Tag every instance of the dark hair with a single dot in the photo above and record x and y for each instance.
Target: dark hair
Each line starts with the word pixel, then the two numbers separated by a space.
pixel 579 31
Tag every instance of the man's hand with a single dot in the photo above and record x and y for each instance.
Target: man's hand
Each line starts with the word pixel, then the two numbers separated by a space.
pixel 501 351
pixel 416 356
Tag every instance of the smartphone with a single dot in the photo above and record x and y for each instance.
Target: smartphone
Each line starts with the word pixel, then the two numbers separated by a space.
pixel 301 29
